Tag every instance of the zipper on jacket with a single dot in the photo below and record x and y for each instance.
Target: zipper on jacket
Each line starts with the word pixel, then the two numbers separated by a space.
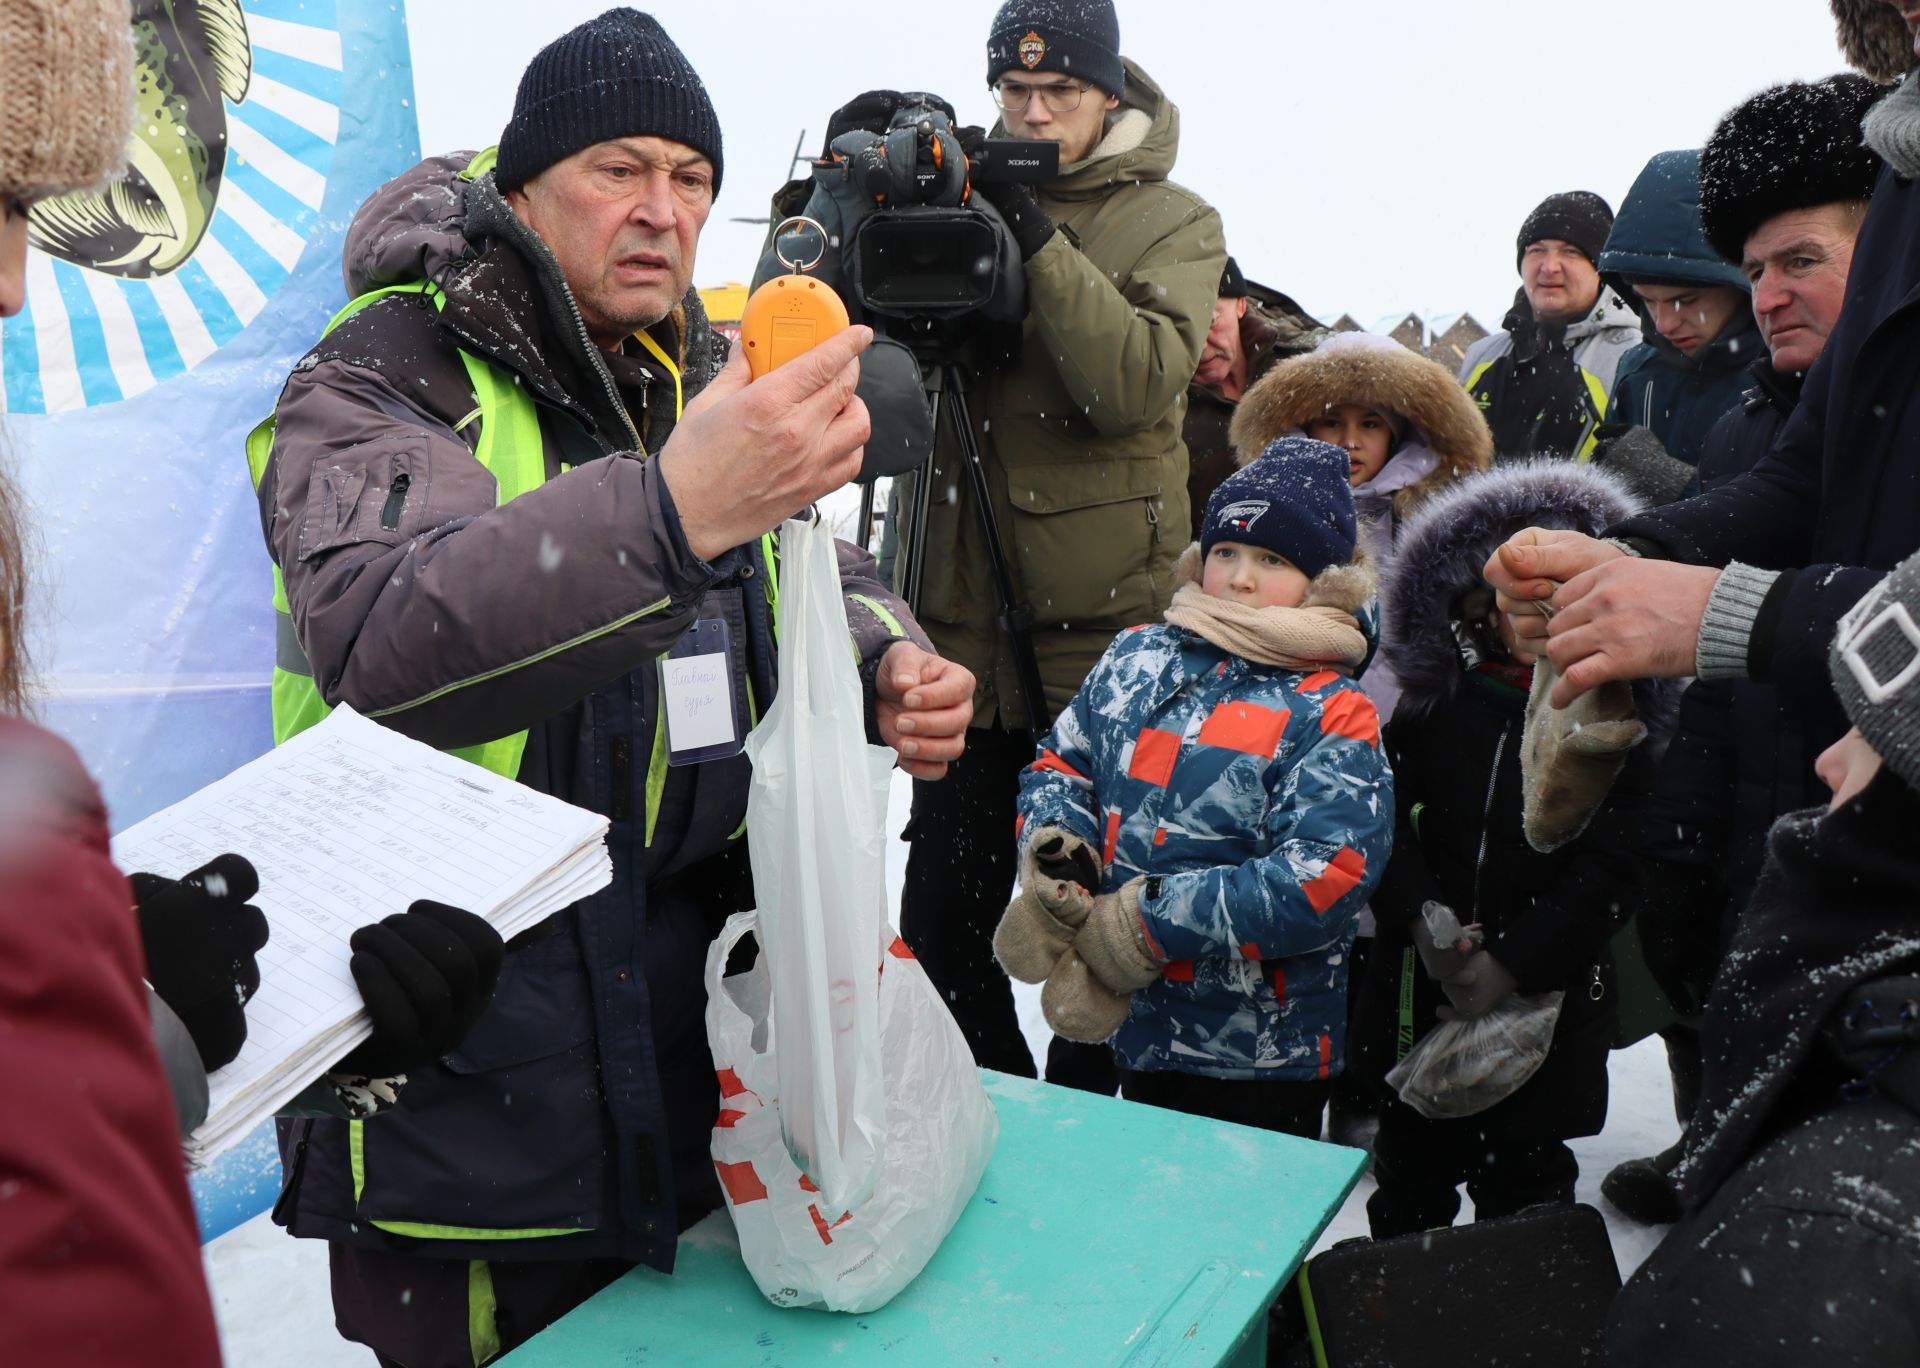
pixel 1596 990
pixel 284 1205
pixel 396 501
pixel 1486 816
pixel 1153 521
pixel 621 808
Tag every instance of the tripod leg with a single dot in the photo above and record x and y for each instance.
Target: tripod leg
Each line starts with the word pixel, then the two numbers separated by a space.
pixel 1016 619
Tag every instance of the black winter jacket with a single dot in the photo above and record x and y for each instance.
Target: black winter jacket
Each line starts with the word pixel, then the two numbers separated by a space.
pixel 1714 798
pixel 1836 503
pixel 1548 918
pixel 1454 742
pixel 1682 397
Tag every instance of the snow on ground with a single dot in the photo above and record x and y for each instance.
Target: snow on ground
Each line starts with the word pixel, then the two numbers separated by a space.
pixel 270 1291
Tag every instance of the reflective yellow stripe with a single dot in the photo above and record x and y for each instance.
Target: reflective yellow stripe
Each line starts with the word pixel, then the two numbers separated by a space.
pixel 357 1157
pixel 1597 393
pixel 673 370
pixel 420 1231
pixel 534 659
pixel 483 1313
pixel 656 767
pixel 879 610
pixel 1473 379
pixel 357 1163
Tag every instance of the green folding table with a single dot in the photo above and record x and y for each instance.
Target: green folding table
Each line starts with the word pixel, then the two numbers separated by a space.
pixel 1103 1233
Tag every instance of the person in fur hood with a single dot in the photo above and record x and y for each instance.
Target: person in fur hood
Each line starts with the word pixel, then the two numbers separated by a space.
pixel 1408 428
pixel 1455 744
pixel 1206 818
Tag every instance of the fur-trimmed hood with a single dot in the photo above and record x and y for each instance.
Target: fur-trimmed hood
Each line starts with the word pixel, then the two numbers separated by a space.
pixel 1377 372
pixel 1874 38
pixel 1444 547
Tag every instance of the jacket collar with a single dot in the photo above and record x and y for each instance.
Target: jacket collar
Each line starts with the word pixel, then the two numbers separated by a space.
pixel 511 304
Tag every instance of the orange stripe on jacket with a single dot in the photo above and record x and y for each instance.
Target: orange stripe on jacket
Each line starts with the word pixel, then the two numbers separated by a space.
pixel 1153 756
pixel 1351 713
pixel 1342 874
pixel 1242 726
pixel 1049 761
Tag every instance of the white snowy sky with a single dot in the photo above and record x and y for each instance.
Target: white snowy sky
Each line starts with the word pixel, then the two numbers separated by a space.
pixel 1367 156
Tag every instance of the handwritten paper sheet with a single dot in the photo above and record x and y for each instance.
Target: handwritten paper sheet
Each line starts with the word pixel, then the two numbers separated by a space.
pixel 347 823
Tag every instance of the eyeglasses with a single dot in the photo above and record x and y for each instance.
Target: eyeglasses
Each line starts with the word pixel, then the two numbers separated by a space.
pixel 1062 97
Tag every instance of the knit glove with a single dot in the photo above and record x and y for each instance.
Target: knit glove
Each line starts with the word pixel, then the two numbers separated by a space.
pixel 1087 994
pixel 426 975
pixel 1482 984
pixel 1059 875
pixel 201 935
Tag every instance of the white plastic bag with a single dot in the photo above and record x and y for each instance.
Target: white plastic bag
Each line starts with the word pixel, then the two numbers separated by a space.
pixel 940 1130
pixel 1465 1066
pixel 816 831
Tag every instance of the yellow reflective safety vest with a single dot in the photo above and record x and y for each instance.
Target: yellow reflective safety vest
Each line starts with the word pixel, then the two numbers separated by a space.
pixel 511 448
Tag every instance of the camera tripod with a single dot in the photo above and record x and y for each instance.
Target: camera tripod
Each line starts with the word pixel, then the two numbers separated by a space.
pixel 945 383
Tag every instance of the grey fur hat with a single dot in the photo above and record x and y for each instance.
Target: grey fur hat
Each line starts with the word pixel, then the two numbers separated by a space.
pixel 1875 664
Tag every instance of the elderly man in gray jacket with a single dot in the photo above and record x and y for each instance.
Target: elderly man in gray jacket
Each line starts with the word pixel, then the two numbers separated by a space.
pixel 514 479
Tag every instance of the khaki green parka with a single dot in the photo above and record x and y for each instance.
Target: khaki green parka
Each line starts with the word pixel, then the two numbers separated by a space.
pixel 1080 437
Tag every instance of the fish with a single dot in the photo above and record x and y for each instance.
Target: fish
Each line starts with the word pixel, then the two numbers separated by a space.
pixel 190 58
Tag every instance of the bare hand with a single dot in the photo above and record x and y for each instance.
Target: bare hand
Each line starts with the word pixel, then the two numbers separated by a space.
pixel 1528 567
pixel 1628 619
pixel 748 454
pixel 923 705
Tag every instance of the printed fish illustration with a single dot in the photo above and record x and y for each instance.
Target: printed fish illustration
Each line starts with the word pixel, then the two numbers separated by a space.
pixel 188 55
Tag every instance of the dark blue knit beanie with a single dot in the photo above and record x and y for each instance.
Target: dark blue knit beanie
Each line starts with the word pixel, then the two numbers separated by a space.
pixel 1295 501
pixel 617 76
pixel 1074 37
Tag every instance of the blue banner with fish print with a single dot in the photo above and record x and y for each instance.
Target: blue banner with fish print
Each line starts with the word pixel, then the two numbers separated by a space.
pixel 163 315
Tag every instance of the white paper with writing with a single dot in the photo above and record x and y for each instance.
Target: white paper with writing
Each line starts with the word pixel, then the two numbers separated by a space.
pixel 699 698
pixel 347 823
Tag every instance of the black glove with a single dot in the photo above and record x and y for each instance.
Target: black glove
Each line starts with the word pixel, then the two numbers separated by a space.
pixel 1026 220
pixel 200 935
pixel 426 975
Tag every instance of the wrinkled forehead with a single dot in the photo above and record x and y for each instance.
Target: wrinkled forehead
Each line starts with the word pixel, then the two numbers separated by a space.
pixel 675 156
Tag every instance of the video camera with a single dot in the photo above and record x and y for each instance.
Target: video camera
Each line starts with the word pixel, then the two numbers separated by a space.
pixel 923 244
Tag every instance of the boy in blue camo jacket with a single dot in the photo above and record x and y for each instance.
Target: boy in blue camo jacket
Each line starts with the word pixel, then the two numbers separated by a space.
pixel 1206 819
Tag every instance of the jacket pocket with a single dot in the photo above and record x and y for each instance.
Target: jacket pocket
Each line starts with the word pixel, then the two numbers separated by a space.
pixel 507 1136
pixel 1096 541
pixel 368 493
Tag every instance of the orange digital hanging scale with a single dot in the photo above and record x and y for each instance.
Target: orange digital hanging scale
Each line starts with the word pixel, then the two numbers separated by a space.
pixel 790 313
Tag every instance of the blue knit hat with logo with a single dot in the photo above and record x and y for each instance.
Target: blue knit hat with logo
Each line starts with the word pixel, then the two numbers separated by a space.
pixel 1295 501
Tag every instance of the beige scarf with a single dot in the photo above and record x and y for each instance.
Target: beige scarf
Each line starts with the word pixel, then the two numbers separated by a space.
pixel 1321 633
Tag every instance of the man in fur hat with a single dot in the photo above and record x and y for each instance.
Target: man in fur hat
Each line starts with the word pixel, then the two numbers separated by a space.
pixel 1802 536
pixel 1784 185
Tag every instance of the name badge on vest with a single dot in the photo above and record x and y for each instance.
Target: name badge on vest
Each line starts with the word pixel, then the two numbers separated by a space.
pixel 696 689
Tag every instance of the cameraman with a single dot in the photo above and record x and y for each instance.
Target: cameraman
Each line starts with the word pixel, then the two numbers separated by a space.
pixel 1080 436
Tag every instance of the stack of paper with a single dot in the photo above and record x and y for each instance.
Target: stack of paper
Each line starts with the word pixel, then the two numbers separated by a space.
pixel 347 823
